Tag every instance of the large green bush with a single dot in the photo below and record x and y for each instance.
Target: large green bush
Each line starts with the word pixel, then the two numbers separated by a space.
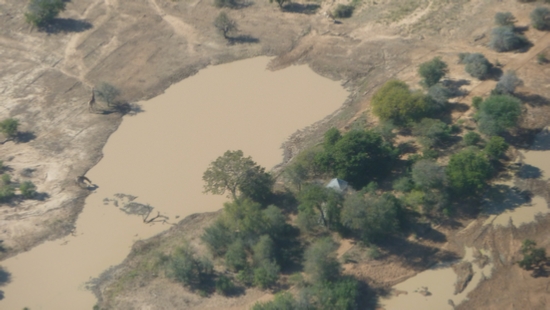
pixel 41 12
pixel 498 113
pixel 468 172
pixel 476 64
pixel 540 18
pixel 9 127
pixel 432 132
pixel 504 39
pixel 321 263
pixel 504 19
pixel 432 71
pixel 359 156
pixel 395 101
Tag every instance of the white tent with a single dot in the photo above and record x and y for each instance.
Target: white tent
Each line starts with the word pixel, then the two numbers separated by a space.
pixel 338 185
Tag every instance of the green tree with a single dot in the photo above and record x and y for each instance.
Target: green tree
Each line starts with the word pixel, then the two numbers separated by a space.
pixel 360 156
pixel 476 64
pixel 42 12
pixel 342 294
pixel 224 285
pixel 504 19
pixel 7 190
pixel 394 101
pixel 372 217
pixel 266 274
pixel 432 132
pixel 228 173
pixel 540 18
pixel 218 237
pixel 468 172
pixel 245 217
pixel 321 262
pixel 9 127
pixel 508 83
pixel 316 200
pixel 533 258
pixel 224 24
pixel 282 301
pixel 257 185
pixel 404 184
pixel 498 113
pixel 107 93
pixel 428 174
pixel 476 102
pixel 263 250
pixel 28 189
pixel 235 257
pixel 432 71
pixel 471 138
pixel 185 267
pixel 504 39
pixel 496 147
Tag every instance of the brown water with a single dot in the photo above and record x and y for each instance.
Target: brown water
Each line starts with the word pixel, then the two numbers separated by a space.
pixel 439 281
pixel 159 156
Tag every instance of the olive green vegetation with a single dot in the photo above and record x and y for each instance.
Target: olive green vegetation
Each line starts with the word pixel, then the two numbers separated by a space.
pixel 540 18
pixel 476 64
pixel 496 147
pixel 533 258
pixel 468 172
pixel 498 113
pixel 358 156
pixel 432 71
pixel 504 19
pixel 9 127
pixel 7 190
pixel 396 102
pixel 504 39
pixel 236 174
pixel 27 189
pixel 42 12
pixel 185 267
pixel 224 24
pixel 254 240
pixel 471 138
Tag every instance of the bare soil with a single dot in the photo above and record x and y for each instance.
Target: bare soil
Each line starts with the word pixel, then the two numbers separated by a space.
pixel 143 46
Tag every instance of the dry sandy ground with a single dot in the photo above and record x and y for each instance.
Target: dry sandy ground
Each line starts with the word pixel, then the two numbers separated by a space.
pixel 143 46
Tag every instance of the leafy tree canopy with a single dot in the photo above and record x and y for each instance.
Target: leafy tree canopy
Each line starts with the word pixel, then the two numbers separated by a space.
pixel 540 18
pixel 41 12
pixel 468 172
pixel 395 101
pixel 432 71
pixel 498 113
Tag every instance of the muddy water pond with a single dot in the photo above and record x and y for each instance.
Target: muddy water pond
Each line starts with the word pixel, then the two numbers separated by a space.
pixel 159 156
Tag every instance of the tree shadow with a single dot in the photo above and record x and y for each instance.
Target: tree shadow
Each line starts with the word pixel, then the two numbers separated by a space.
pixel 24 137
pixel 525 137
pixel 5 277
pixel 308 9
pixel 425 231
pixel 66 25
pixel 124 108
pixel 533 100
pixel 414 255
pixel 242 39
pixel 529 172
pixel 494 73
pixel 2 247
pixel 501 197
pixel 41 196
